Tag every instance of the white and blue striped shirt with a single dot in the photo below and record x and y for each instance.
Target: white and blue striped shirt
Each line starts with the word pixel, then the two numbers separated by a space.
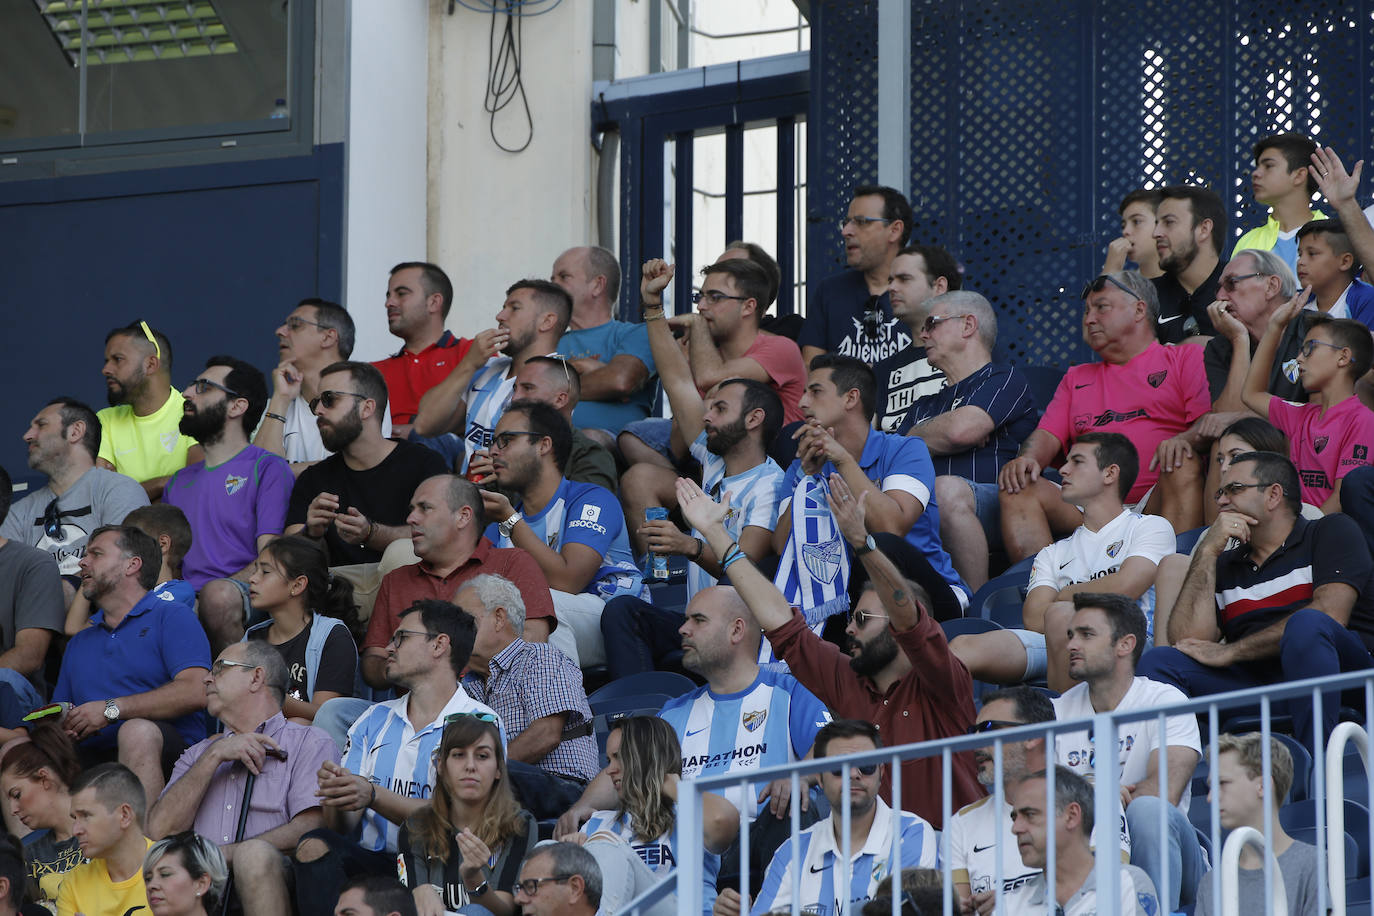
pixel 386 749
pixel 487 396
pixel 659 854
pixel 818 854
pixel 774 720
pixel 754 499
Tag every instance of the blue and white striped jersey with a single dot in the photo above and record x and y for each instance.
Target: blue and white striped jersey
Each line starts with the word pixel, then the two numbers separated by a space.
pixel 584 513
pixel 384 747
pixel 487 396
pixel 754 499
pixel 659 854
pixel 818 854
pixel 774 720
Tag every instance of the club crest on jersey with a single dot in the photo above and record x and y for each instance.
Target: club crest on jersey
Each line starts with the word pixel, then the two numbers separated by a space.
pixel 169 440
pixel 1290 370
pixel 822 560
pixel 752 720
pixel 1360 453
pixel 591 513
pixel 1157 378
pixel 1319 444
pixel 232 484
pixel 1114 548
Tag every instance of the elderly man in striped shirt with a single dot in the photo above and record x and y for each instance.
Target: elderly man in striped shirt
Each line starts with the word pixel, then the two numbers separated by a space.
pixel 537 691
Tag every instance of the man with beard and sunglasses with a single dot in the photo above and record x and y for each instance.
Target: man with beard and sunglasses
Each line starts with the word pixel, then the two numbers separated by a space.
pixel 357 499
pixel 470 401
pixel 140 437
pixel 729 431
pixel 235 499
pixel 899 674
pixel 79 497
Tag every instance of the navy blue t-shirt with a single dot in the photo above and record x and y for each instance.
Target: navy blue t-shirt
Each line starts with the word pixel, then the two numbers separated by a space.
pixel 1003 393
pixel 835 320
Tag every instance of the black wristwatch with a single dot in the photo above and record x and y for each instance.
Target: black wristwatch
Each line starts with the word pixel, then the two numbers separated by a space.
pixel 868 546
pixel 480 890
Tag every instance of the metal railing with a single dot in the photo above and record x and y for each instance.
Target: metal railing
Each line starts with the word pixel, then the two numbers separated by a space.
pixel 1327 771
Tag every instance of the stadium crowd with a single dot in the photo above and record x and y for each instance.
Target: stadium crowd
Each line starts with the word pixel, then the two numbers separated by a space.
pixel 321 641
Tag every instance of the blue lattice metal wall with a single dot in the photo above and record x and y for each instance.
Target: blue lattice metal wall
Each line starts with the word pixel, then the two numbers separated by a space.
pixel 1032 118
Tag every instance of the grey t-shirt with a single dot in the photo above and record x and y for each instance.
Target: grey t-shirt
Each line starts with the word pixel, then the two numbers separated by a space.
pixel 99 497
pixel 30 596
pixel 1298 864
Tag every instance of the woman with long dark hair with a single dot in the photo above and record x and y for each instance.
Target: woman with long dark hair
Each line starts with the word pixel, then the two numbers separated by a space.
pixel 462 852
pixel 312 614
pixel 35 773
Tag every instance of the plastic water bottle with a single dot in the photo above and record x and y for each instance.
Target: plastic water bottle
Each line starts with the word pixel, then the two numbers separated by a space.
pixel 279 110
pixel 658 565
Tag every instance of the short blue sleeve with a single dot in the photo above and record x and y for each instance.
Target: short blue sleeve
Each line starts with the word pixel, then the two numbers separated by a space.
pixel 906 455
pixel 183 641
pixel 635 342
pixel 593 518
pixel 807 715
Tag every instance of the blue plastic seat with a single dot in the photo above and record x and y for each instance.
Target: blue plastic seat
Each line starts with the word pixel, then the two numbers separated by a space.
pixel 1299 815
pixel 968 626
pixel 669 683
pixel 1003 606
pixel 618 704
pixel 1188 539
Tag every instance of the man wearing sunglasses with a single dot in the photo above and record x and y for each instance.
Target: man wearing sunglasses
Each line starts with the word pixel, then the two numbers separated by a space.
pixel 139 430
pixel 63 440
pixel 316 334
pixel 1294 600
pixel 826 878
pixel 356 500
pixel 1190 226
pixel 849 313
pixel 235 499
pixel 919 274
pixel 1149 393
pixel 972 426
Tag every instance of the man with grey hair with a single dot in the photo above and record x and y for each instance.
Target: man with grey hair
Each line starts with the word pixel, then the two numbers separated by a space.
pixel 972 426
pixel 559 879
pixel 244 690
pixel 537 691
pixel 1075 877
pixel 1150 393
pixel 611 356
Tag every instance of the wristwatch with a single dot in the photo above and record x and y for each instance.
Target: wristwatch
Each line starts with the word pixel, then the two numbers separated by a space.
pixel 868 546
pixel 111 711
pixel 509 524
pixel 480 890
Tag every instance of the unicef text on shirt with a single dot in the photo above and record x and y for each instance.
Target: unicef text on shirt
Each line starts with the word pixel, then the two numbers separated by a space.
pixel 583 523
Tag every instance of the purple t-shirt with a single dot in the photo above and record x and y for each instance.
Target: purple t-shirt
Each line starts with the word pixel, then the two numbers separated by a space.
pixel 228 507
pixel 283 790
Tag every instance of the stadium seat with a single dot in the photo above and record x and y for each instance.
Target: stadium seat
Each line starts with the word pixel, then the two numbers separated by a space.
pixel 620 704
pixel 1302 814
pixel 669 683
pixel 1300 790
pixel 1003 606
pixel 1308 835
pixel 966 626
pixel 1043 381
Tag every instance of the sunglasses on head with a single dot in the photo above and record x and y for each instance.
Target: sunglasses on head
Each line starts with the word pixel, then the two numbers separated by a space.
pixel 1100 283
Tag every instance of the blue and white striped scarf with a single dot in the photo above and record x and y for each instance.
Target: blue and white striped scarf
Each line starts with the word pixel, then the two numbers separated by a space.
pixel 814 571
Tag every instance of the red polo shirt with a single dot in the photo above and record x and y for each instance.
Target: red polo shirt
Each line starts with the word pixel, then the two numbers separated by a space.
pixel 933 700
pixel 409 375
pixel 402 587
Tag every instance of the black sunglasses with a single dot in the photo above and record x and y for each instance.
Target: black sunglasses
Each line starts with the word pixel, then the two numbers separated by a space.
pixel 52 521
pixel 1097 285
pixel 330 398
pixel 868 769
pixel 992 725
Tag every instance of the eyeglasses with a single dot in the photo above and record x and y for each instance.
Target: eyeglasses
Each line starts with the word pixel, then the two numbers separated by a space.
pixel 1230 283
pixel 400 636
pixel 202 385
pixel 860 619
pixel 1231 489
pixel 933 320
pixel 530 886
pixel 148 333
pixel 1309 346
pixel 295 322
pixel 567 376
pixel 992 725
pixel 861 222
pixel 714 296
pixel 867 769
pixel 1097 285
pixel 220 664
pixel 330 398
pixel 503 440
pixel 52 521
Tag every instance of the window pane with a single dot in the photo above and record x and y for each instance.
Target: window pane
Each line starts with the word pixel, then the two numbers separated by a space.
pixel 39 88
